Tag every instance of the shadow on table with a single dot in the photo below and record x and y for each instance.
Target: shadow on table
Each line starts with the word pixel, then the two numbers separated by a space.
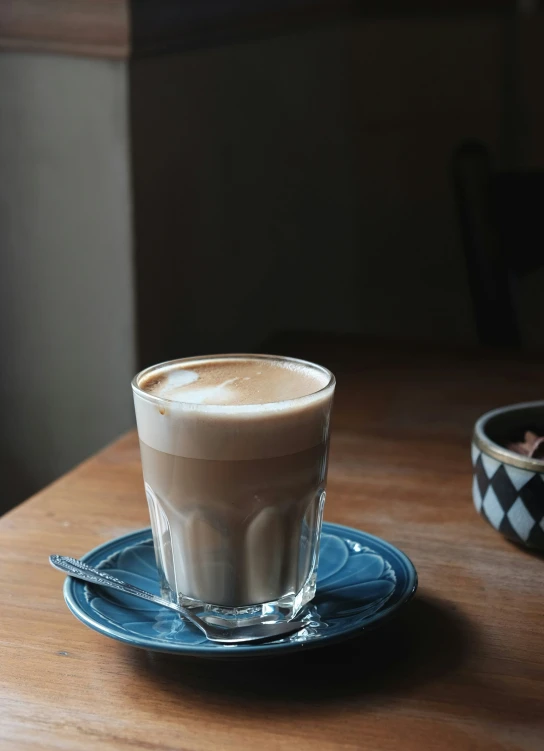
pixel 534 552
pixel 429 639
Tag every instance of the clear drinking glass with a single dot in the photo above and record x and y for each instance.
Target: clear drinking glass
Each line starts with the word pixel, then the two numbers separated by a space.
pixel 236 494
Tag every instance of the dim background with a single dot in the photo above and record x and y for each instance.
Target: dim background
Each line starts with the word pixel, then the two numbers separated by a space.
pixel 211 194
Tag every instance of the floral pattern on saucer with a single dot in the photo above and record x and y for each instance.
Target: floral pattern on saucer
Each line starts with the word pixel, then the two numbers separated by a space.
pixel 361 581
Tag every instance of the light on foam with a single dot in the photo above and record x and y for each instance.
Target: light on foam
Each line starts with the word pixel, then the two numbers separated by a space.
pixel 218 394
pixel 177 379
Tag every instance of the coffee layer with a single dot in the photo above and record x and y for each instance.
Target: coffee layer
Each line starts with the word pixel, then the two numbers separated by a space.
pixel 235 533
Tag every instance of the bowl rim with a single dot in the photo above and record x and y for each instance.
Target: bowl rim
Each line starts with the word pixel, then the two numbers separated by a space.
pixel 502 454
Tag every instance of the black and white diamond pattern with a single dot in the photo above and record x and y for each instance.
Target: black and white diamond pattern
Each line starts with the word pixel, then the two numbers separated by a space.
pixel 510 498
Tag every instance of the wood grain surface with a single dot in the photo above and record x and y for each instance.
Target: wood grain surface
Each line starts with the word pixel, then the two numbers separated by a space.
pixel 462 667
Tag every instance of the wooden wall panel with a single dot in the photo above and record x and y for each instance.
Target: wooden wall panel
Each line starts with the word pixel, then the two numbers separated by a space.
pixel 91 28
pixel 117 29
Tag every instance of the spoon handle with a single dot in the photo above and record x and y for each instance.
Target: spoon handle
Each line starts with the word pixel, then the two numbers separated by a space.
pixel 240 634
pixel 80 570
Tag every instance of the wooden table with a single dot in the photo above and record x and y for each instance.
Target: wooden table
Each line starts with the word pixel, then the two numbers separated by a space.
pixel 461 668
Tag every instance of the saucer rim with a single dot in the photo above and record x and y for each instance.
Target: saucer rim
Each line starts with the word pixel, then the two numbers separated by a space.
pixel 71 587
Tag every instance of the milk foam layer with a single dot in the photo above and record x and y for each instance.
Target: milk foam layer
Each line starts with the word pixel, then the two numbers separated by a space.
pixel 234 381
pixel 243 407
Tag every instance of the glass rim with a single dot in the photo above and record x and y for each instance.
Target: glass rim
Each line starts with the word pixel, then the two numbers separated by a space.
pixel 331 383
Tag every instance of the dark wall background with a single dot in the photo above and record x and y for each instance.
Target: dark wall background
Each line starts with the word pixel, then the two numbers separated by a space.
pixel 207 199
pixel 303 182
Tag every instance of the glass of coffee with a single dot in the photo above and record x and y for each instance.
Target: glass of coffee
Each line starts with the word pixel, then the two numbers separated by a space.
pixel 234 453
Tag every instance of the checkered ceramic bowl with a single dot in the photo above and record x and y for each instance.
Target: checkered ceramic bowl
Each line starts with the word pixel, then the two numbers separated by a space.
pixel 508 488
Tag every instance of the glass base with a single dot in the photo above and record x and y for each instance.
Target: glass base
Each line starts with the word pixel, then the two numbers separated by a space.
pixel 284 609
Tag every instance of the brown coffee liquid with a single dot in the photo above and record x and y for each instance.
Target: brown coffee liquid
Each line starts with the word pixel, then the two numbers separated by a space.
pixel 242 529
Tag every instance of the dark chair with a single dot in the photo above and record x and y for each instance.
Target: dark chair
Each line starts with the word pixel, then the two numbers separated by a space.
pixel 502 229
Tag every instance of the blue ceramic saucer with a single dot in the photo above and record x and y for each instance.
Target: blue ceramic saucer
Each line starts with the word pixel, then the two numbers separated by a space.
pixel 361 581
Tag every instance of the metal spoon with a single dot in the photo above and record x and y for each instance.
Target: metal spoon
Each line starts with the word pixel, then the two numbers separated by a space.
pixel 239 635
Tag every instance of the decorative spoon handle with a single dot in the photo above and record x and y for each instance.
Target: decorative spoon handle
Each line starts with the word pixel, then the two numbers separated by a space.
pixel 257 632
pixel 79 569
